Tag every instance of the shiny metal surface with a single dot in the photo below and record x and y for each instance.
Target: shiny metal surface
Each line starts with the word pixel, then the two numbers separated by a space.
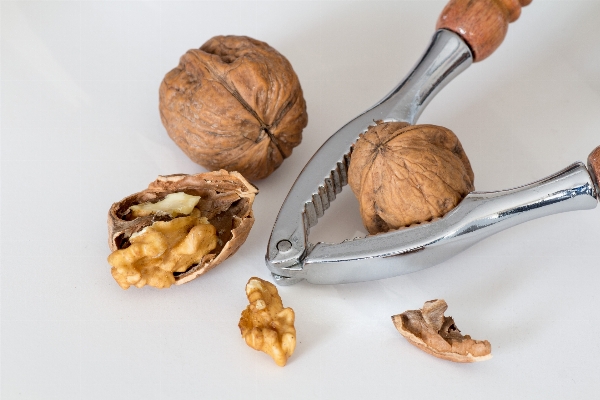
pixel 478 216
pixel 325 174
pixel 291 258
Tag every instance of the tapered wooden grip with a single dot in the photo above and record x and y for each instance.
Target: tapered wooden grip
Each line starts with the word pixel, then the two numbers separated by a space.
pixel 594 167
pixel 481 23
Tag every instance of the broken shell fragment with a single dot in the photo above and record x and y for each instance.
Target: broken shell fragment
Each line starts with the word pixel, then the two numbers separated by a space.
pixel 179 228
pixel 265 324
pixel 436 334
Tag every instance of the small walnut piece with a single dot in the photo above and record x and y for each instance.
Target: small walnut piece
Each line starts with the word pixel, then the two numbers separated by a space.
pixel 174 204
pixel 406 174
pixel 235 103
pixel 265 324
pixel 436 334
pixel 179 228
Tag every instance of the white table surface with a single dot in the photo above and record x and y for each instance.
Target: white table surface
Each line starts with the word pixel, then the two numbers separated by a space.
pixel 81 129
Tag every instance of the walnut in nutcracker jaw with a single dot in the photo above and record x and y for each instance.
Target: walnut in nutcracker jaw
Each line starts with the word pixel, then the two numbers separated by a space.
pixel 407 174
pixel 179 228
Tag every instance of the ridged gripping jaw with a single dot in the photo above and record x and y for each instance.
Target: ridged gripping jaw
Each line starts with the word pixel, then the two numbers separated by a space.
pixel 286 254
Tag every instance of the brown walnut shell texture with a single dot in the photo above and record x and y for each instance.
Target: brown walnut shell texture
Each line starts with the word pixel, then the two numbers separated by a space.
pixel 406 174
pixel 236 104
pixel 436 334
pixel 226 201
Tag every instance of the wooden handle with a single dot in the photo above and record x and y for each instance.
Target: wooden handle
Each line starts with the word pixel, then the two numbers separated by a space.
pixel 594 167
pixel 481 23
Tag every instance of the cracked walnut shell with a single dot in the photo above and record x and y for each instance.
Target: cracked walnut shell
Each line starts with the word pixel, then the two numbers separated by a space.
pixel 265 324
pixel 406 174
pixel 235 103
pixel 179 228
pixel 436 334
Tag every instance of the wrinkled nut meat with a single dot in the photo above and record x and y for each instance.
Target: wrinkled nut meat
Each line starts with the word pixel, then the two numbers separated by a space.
pixel 161 249
pixel 436 334
pixel 235 103
pixel 179 228
pixel 265 324
pixel 407 174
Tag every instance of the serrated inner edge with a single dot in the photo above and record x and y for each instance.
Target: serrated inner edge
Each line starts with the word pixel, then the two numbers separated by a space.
pixel 326 193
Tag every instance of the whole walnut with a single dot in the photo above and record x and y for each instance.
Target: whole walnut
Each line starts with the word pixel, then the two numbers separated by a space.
pixel 405 174
pixel 236 104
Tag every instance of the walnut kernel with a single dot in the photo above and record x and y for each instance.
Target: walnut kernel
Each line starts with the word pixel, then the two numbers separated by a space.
pixel 174 204
pixel 406 174
pixel 162 248
pixel 235 103
pixel 265 324
pixel 436 334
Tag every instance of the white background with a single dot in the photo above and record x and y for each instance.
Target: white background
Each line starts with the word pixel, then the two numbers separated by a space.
pixel 81 129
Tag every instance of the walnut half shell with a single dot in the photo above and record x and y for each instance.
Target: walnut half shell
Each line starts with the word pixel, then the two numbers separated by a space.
pixel 225 202
pixel 436 334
